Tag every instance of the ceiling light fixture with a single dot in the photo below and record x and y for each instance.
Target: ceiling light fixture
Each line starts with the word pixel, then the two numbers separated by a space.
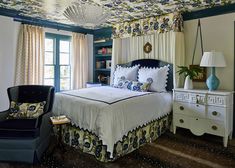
pixel 87 15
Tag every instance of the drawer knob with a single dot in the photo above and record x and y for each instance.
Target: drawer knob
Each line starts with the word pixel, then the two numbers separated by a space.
pixel 214 113
pixel 214 127
pixel 181 107
pixel 181 121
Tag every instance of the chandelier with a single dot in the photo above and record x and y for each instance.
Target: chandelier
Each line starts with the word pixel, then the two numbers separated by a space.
pixel 87 15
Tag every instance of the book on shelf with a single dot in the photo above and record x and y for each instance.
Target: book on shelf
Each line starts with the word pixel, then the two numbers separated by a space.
pixel 109 50
pixel 100 64
pixel 108 64
pixel 104 50
pixel 99 51
pixel 100 41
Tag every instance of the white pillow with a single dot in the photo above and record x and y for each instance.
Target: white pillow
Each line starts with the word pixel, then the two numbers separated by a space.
pixel 158 76
pixel 129 73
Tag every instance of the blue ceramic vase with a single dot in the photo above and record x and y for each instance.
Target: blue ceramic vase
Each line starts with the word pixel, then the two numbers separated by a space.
pixel 212 81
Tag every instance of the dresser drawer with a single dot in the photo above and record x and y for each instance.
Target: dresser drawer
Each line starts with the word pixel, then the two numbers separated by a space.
pixel 216 113
pixel 188 109
pixel 198 98
pixel 218 100
pixel 181 96
pixel 181 120
pixel 215 127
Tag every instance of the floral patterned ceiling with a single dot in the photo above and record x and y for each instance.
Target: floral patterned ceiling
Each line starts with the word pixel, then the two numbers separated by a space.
pixel 120 10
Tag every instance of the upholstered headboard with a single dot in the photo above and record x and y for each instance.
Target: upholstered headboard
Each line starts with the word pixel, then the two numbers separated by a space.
pixel 152 63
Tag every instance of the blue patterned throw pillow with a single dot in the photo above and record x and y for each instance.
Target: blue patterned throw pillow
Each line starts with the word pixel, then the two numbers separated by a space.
pixel 122 83
pixel 134 85
pixel 138 86
pixel 25 110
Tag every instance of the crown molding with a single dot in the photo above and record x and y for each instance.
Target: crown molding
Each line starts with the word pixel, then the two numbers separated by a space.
pixel 219 10
pixel 44 23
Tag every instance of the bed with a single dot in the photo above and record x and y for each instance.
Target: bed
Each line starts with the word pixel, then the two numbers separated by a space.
pixel 109 122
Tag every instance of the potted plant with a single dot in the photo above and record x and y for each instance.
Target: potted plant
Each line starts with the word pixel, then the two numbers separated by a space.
pixel 189 74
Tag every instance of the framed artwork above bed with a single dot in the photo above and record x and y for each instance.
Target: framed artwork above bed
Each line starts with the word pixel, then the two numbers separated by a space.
pixel 147 48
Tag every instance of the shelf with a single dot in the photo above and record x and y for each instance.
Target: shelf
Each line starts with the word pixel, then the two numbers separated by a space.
pixel 104 36
pixel 104 44
pixel 103 69
pixel 102 55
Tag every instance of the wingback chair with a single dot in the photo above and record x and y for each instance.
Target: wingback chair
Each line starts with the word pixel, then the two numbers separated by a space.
pixel 25 140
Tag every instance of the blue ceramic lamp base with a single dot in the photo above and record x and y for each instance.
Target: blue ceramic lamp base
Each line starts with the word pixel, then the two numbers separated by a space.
pixel 212 81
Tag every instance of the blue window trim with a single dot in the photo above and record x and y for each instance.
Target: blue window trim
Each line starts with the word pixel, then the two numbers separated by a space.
pixel 57 38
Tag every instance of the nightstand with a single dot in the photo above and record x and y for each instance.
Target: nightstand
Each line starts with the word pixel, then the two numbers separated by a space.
pixel 204 111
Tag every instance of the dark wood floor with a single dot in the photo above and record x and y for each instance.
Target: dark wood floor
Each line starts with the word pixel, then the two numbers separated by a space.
pixel 181 150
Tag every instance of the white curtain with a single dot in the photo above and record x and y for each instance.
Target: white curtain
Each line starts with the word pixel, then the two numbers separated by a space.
pixel 79 60
pixel 168 46
pixel 30 55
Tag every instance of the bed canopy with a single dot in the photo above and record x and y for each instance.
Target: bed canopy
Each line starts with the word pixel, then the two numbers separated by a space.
pixel 163 33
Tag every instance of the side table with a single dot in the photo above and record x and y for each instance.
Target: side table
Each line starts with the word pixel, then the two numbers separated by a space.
pixel 58 121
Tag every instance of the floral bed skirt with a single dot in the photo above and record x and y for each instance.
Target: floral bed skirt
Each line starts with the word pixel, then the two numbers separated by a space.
pixel 90 143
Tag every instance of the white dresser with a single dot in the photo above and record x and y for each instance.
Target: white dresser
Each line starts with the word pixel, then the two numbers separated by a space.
pixel 204 111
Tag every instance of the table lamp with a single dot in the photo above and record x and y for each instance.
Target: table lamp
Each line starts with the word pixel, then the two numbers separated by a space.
pixel 212 59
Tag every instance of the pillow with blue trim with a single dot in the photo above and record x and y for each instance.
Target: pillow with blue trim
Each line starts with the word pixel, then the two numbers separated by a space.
pixel 25 110
pixel 159 77
pixel 130 73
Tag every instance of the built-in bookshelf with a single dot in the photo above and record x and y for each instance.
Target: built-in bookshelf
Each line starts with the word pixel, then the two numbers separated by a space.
pixel 102 55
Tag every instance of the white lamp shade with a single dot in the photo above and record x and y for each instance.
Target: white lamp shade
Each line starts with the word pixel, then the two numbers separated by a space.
pixel 213 59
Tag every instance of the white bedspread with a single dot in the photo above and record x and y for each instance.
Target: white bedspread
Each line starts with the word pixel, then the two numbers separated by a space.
pixel 110 112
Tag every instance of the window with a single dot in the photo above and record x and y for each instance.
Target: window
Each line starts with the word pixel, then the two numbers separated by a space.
pixel 57 68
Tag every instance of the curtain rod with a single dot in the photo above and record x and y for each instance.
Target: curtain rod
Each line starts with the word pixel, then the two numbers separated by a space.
pixel 53 25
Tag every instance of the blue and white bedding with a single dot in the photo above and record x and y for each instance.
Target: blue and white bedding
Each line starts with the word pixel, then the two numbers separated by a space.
pixel 110 112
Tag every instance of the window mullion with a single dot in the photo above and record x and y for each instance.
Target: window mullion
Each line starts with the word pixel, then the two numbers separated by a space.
pixel 57 65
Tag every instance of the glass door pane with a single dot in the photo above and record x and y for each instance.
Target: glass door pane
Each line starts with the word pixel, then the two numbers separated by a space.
pixel 65 71
pixel 50 82
pixel 49 65
pixel 49 44
pixel 64 83
pixel 64 46
pixel 64 61
pixel 49 57
pixel 49 71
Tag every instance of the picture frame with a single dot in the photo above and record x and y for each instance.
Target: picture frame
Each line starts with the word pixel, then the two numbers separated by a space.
pixel 108 64
pixel 147 48
pixel 201 75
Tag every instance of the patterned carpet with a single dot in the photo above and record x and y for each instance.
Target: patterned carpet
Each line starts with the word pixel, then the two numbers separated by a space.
pixel 183 150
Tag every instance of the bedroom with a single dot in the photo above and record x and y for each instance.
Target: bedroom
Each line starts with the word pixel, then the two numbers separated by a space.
pixel 217 32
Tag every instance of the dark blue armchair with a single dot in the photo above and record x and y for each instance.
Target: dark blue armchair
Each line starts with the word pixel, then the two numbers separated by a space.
pixel 25 140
